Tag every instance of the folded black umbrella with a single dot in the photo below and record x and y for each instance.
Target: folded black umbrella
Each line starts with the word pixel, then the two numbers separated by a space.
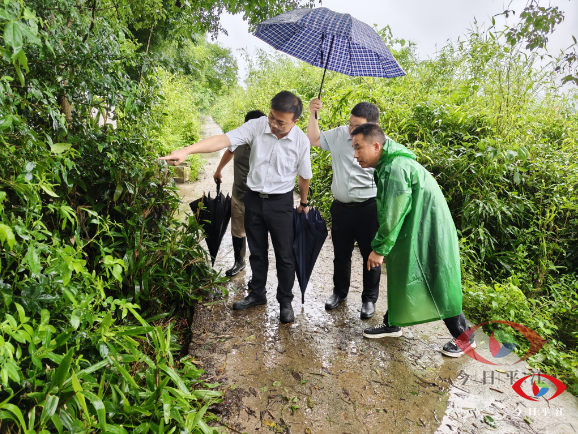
pixel 215 215
pixel 310 234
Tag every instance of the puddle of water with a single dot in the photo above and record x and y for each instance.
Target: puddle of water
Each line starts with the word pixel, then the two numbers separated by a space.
pixel 335 380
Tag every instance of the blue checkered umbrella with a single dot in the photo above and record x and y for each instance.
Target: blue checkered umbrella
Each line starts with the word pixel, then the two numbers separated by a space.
pixel 330 40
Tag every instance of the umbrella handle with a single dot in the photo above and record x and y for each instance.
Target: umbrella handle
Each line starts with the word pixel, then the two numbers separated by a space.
pixel 326 63
pixel 218 186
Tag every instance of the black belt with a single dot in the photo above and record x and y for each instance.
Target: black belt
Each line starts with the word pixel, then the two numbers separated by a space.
pixel 356 204
pixel 268 195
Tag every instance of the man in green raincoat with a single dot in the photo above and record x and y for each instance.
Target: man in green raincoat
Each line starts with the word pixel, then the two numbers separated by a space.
pixel 418 238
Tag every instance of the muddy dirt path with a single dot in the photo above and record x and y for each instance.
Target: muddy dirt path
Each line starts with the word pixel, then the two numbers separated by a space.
pixel 319 375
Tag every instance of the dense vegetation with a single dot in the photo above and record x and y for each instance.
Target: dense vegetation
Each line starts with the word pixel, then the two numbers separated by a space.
pixel 97 276
pixel 494 127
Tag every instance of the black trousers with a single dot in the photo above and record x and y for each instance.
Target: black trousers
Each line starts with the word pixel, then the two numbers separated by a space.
pixel 351 223
pixel 273 215
pixel 455 324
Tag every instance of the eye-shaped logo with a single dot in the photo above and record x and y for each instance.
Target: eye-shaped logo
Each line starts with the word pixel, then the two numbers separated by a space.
pixel 539 387
pixel 498 350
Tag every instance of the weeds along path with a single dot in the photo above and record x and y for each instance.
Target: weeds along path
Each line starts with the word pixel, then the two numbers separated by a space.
pixel 319 375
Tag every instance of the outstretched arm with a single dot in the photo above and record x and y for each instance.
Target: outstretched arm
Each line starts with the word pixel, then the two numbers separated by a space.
pixel 227 156
pixel 313 132
pixel 212 144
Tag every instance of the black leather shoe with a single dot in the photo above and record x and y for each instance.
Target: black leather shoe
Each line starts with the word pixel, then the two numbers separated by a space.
pixel 239 247
pixel 367 309
pixel 248 302
pixel 334 301
pixel 286 313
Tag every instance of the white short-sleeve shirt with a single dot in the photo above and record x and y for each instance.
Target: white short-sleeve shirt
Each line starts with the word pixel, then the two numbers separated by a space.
pixel 274 163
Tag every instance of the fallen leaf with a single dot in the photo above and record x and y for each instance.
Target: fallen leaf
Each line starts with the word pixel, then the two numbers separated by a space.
pixel 250 338
pixel 490 421
pixel 269 423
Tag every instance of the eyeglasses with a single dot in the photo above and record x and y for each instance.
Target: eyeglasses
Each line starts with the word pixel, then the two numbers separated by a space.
pixel 272 122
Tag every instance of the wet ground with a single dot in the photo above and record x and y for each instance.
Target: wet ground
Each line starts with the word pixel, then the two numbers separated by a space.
pixel 319 375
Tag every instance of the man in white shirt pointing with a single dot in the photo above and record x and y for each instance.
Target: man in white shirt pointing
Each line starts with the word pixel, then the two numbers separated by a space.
pixel 279 152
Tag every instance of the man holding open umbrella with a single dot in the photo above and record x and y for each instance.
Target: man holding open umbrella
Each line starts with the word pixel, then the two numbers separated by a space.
pixel 354 211
pixel 279 152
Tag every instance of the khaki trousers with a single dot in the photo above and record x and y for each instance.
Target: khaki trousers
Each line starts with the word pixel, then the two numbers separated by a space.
pixel 237 218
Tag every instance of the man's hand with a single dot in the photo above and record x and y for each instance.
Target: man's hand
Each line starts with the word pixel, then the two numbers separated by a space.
pixel 315 105
pixel 217 176
pixel 374 260
pixel 176 157
pixel 303 208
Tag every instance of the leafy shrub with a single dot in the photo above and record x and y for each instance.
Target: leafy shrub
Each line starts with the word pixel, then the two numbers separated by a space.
pixel 98 377
pixel 97 276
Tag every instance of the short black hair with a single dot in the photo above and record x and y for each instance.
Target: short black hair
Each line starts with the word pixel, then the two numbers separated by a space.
pixel 371 132
pixel 254 114
pixel 287 102
pixel 366 110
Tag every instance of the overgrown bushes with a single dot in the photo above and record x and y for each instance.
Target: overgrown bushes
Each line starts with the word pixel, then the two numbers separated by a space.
pixel 97 276
pixel 501 138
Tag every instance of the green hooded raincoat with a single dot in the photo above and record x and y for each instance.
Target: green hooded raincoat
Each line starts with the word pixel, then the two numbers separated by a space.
pixel 418 238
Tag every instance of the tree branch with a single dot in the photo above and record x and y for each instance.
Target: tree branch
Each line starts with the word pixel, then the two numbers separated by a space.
pixel 91 24
pixel 146 52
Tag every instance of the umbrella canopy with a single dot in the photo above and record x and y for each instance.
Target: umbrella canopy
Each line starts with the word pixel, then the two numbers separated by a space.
pixel 310 234
pixel 330 40
pixel 215 214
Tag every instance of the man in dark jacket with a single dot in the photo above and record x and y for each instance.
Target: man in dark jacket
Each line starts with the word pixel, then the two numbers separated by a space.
pixel 241 169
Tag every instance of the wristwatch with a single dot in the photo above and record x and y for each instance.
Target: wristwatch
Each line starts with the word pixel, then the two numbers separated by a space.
pixel 304 204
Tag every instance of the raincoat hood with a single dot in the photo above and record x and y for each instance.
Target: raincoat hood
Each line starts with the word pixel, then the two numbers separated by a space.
pixel 392 150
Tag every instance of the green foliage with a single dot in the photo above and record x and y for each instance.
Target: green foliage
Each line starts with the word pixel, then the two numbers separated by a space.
pixel 97 377
pixel 211 68
pixel 536 23
pixel 178 117
pixel 501 139
pixel 177 18
pixel 551 317
pixel 89 242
